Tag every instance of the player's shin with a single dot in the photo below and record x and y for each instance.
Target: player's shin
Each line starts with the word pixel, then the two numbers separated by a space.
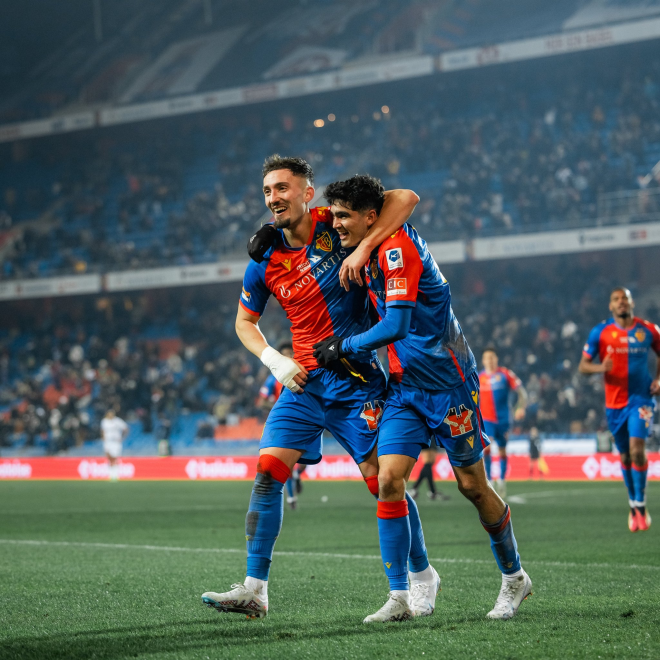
pixel 264 518
pixel 504 465
pixel 418 560
pixel 639 473
pixel 394 536
pixel 626 471
pixel 503 544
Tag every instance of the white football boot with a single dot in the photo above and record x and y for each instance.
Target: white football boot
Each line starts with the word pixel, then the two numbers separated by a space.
pixel 240 599
pixel 512 593
pixel 395 609
pixel 422 594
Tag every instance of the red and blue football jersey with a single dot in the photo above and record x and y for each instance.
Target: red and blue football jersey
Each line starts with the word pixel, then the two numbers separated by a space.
pixel 435 354
pixel 629 381
pixel 271 389
pixel 305 282
pixel 495 390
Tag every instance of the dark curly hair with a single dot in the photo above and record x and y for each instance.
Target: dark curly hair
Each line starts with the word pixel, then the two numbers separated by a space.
pixel 359 193
pixel 297 166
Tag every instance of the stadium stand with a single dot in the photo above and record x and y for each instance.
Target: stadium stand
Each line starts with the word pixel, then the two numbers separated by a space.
pixel 533 153
pixel 171 362
pixel 158 50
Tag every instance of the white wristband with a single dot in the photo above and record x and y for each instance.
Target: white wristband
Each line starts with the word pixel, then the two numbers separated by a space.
pixel 282 367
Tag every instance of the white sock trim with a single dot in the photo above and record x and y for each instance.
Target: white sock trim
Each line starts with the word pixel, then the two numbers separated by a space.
pixel 401 593
pixel 513 576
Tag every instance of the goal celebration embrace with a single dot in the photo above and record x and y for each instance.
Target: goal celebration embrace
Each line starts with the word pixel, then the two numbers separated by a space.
pixel 431 397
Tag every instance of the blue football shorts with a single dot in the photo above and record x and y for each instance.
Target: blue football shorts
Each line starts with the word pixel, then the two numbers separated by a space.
pixel 350 409
pixel 633 421
pixel 498 431
pixel 413 418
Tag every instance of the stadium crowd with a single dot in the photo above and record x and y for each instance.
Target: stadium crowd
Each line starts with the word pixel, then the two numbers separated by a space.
pixel 154 356
pixel 533 152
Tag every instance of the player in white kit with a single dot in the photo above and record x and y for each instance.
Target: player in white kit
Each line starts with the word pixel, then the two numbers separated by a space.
pixel 113 433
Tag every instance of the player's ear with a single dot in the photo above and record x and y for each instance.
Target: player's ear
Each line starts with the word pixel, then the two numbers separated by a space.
pixel 372 216
pixel 309 194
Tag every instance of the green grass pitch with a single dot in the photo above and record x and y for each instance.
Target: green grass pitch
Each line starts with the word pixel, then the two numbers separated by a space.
pixel 116 570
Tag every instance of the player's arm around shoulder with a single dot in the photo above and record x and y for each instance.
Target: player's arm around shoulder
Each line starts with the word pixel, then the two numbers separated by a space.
pixel 288 371
pixel 398 207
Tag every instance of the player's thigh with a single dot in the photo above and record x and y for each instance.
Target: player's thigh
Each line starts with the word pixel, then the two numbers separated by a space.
pixel 395 467
pixel 458 424
pixel 295 423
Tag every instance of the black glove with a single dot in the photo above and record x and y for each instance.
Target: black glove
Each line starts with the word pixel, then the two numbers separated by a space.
pixel 261 242
pixel 327 351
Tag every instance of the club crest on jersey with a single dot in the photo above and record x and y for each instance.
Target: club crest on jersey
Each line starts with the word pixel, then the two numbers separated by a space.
pixel 371 413
pixel 459 423
pixel 287 263
pixel 397 287
pixel 394 258
pixel 374 268
pixel 324 242
pixel 646 414
pixel 640 335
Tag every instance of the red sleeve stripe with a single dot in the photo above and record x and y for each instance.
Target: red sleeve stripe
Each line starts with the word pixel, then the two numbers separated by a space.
pixel 248 310
pixel 458 366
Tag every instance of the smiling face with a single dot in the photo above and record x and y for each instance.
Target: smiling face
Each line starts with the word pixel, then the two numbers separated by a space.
pixel 352 226
pixel 287 195
pixel 621 303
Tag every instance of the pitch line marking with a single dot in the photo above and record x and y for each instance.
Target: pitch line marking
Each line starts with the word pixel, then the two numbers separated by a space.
pixel 323 555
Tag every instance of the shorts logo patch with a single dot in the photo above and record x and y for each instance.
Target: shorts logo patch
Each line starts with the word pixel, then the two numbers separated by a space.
pixel 397 287
pixel 394 258
pixel 646 414
pixel 475 397
pixel 470 441
pixel 324 242
pixel 246 295
pixel 371 413
pixel 460 423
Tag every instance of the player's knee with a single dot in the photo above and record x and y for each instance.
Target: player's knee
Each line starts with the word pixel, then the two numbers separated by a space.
pixel 625 460
pixel 637 456
pixel 390 484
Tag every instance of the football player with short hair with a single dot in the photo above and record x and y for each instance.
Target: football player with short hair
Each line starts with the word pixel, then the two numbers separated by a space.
pixel 622 344
pixel 496 385
pixel 298 259
pixel 433 395
pixel 114 431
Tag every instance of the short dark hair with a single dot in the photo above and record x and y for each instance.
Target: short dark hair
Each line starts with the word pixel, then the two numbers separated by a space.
pixel 359 193
pixel 489 349
pixel 297 166
pixel 621 288
pixel 284 345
